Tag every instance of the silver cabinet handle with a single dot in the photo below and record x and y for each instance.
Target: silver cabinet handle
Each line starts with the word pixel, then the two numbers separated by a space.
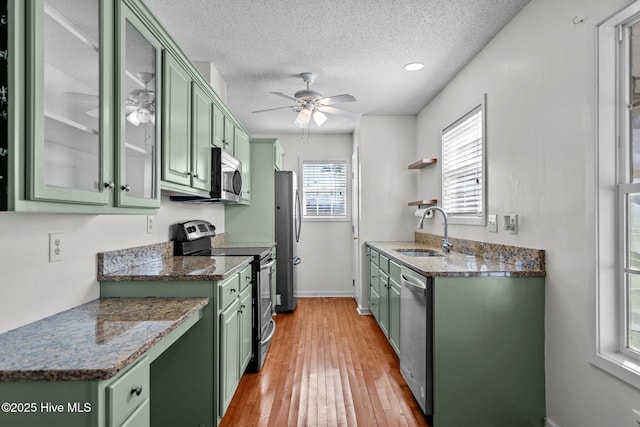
pixel 136 389
pixel 126 188
pixel 110 185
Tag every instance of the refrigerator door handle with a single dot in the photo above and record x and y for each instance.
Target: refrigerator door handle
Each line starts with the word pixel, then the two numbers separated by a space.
pixel 299 224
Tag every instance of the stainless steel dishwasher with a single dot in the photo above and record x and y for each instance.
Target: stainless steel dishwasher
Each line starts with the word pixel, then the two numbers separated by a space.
pixel 416 336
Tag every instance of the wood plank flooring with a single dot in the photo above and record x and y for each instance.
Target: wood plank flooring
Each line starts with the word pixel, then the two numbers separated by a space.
pixel 327 366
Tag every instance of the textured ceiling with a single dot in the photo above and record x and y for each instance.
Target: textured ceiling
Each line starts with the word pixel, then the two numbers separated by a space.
pixel 355 47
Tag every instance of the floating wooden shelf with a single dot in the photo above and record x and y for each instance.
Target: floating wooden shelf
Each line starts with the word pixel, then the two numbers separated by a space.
pixel 423 202
pixel 422 163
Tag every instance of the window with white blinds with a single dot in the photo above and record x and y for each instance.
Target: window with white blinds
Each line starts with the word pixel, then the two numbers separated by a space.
pixel 324 189
pixel 463 168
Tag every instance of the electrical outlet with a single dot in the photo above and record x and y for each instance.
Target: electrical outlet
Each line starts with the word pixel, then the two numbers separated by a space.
pixel 493 223
pixel 55 247
pixel 149 224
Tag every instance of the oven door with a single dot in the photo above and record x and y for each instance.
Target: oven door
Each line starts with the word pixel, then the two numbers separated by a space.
pixel 266 289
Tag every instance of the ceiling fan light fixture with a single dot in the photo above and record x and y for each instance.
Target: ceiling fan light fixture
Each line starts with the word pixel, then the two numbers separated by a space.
pixel 133 118
pixel 319 118
pixel 413 66
pixel 304 116
pixel 143 115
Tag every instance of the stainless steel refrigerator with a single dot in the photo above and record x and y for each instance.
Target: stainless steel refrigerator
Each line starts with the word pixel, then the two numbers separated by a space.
pixel 288 225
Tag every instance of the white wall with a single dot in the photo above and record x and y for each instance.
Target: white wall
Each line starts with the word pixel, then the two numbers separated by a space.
pixel 31 287
pixel 387 147
pixel 325 246
pixel 538 74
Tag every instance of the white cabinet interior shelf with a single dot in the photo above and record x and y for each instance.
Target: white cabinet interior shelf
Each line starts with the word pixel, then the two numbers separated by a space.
pixel 423 163
pixel 428 202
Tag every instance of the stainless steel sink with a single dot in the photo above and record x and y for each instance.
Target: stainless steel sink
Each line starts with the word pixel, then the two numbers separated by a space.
pixel 419 252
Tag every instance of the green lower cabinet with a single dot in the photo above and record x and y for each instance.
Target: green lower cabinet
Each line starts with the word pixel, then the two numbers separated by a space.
pixel 374 302
pixel 184 396
pixel 117 402
pixel 394 314
pixel 229 354
pixel 383 318
pixel 246 315
pixel 374 290
pixel 488 352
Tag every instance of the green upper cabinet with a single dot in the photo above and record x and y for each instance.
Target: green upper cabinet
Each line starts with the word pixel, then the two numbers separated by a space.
pixel 243 153
pixel 68 137
pixel 176 141
pixel 137 113
pixel 223 130
pixel 89 102
pixel 218 127
pixel 139 55
pixel 229 136
pixel 187 130
pixel 202 138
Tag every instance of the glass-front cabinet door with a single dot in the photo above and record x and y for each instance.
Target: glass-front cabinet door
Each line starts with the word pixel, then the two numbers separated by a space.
pixel 137 114
pixel 68 139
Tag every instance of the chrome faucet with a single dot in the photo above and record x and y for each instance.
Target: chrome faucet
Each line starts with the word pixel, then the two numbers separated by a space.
pixel 446 245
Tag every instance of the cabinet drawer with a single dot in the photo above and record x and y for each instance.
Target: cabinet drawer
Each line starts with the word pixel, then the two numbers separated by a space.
pixel 374 277
pixel 375 257
pixel 374 302
pixel 228 291
pixel 140 418
pixel 394 270
pixel 384 264
pixel 245 277
pixel 127 393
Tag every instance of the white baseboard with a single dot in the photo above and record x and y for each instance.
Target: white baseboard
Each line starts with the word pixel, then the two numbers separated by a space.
pixel 551 423
pixel 325 294
pixel 365 311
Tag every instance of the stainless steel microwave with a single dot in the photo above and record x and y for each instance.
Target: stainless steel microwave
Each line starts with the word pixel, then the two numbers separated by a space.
pixel 226 180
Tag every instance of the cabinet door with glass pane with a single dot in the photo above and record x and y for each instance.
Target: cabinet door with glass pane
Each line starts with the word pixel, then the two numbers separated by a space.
pixel 69 149
pixel 137 113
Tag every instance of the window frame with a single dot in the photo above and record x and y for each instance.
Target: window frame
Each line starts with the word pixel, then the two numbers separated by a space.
pixel 347 213
pixel 469 219
pixel 606 195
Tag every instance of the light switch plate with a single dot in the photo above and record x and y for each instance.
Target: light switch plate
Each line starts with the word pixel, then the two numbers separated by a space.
pixel 493 223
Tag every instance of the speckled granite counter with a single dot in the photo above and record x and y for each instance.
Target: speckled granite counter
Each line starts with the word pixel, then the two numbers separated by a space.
pixel 495 262
pixel 93 341
pixel 180 268
pixel 156 263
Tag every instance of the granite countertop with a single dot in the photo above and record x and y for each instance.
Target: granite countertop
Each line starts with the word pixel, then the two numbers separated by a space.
pixel 177 268
pixel 245 245
pixel 93 341
pixel 460 264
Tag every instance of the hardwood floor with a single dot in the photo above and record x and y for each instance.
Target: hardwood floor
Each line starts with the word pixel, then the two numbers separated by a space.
pixel 327 366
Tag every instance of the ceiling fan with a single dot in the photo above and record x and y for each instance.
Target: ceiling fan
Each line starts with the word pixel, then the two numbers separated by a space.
pixel 313 104
pixel 139 105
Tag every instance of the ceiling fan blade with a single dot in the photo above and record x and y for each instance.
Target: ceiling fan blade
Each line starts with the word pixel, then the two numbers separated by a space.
pixel 273 109
pixel 339 111
pixel 291 98
pixel 338 99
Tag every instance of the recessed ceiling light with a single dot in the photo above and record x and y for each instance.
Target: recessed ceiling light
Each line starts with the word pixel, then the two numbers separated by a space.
pixel 413 66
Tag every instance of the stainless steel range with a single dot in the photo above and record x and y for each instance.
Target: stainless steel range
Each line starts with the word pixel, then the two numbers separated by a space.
pixel 193 238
